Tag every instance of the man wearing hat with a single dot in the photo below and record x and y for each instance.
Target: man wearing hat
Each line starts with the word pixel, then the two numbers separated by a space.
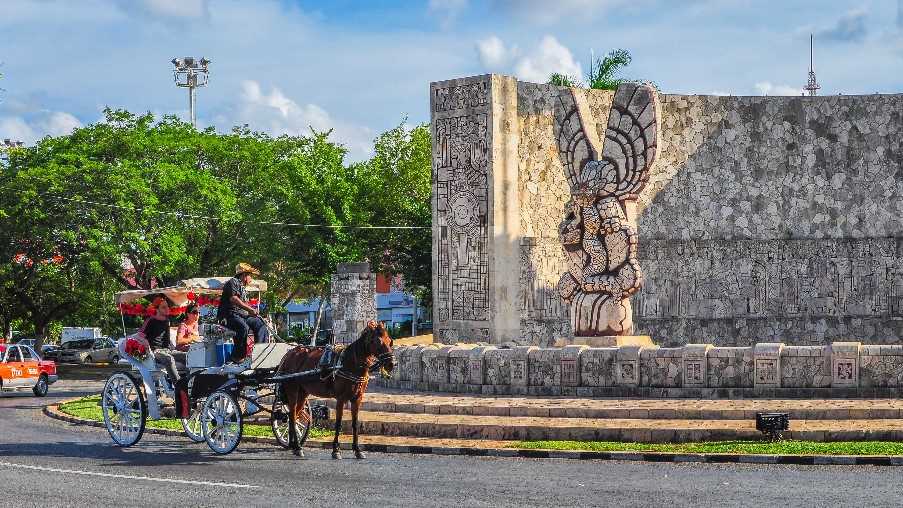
pixel 238 315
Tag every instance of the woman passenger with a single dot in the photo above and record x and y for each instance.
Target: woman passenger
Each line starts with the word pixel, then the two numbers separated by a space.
pixel 188 329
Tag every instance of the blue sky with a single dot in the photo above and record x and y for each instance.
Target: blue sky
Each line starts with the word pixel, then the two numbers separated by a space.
pixel 361 67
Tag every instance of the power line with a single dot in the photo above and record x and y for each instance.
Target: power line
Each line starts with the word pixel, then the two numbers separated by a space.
pixel 183 215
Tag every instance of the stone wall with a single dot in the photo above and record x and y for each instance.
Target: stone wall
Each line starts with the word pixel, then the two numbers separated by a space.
pixel 840 369
pixel 765 219
pixel 353 300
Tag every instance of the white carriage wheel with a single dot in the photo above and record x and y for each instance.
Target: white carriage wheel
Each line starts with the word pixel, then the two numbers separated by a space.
pixel 124 409
pixel 221 422
pixel 279 423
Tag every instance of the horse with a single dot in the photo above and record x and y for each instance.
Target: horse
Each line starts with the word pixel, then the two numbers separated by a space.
pixel 348 384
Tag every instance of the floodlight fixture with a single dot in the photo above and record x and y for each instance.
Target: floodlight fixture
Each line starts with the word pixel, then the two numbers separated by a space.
pixel 191 74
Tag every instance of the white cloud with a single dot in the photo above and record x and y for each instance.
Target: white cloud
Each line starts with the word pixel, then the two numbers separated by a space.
pixel 493 54
pixel 767 88
pixel 176 9
pixel 447 11
pixel 276 114
pixel 33 127
pixel 851 27
pixel 550 56
pixel 546 12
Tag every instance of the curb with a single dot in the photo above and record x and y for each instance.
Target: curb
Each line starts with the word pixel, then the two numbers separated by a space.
pixel 53 411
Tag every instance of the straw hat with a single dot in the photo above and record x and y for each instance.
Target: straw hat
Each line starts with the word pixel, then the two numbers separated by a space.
pixel 246 268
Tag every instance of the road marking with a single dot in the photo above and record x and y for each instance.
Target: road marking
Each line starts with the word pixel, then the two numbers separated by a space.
pixel 128 477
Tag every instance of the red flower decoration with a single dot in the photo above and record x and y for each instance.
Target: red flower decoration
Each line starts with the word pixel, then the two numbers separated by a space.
pixel 136 349
pixel 191 296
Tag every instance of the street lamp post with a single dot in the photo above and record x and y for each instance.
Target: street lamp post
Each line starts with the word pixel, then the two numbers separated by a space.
pixel 191 74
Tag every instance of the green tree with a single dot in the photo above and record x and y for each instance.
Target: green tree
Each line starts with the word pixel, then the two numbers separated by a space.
pixel 602 73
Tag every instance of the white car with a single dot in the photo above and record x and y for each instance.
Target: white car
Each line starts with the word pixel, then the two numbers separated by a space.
pixel 98 350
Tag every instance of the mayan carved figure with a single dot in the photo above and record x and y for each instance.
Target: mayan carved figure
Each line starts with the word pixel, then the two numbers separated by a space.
pixel 598 232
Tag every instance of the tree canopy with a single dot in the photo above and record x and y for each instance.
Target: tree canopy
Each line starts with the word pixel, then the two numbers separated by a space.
pixel 137 202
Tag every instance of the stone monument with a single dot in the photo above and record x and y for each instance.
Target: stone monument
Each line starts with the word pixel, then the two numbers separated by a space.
pixel 598 232
pixel 353 301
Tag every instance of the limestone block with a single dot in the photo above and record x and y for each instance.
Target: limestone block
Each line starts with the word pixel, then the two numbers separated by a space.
pixel 805 367
pixel 695 364
pixel 435 364
pixel 880 366
pixel 627 366
pixel 402 372
pixel 597 366
pixel 660 367
pixel 459 365
pixel 544 367
pixel 570 365
pixel 767 356
pixel 520 375
pixel 845 364
pixel 730 367
pixel 497 366
pixel 412 366
pixel 476 366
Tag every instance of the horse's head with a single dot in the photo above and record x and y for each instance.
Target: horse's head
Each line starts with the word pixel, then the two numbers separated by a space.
pixel 379 344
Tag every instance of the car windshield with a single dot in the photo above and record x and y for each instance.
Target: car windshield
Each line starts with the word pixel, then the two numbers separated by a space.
pixel 79 344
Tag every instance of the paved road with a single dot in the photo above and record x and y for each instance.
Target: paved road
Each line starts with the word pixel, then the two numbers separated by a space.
pixel 64 465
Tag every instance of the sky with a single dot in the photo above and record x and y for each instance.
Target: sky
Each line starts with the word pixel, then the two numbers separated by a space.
pixel 362 67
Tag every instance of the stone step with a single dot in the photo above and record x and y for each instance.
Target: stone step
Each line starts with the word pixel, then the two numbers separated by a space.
pixel 655 409
pixel 614 429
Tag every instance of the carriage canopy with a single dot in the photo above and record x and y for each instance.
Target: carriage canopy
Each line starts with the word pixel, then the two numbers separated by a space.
pixel 178 294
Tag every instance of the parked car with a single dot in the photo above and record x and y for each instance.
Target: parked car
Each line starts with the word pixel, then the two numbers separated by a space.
pixel 26 342
pixel 89 351
pixel 50 351
pixel 21 367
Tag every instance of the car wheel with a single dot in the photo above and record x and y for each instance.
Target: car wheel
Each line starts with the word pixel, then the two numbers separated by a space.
pixel 41 388
pixel 88 359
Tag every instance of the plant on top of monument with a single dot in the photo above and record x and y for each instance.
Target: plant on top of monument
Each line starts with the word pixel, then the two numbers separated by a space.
pixel 563 80
pixel 602 72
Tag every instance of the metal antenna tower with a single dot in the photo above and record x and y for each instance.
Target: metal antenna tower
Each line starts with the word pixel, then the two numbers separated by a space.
pixel 812 86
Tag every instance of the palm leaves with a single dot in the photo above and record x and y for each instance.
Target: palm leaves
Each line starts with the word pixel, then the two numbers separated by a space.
pixel 602 72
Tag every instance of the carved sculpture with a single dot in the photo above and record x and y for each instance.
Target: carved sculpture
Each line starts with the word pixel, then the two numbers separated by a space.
pixel 598 232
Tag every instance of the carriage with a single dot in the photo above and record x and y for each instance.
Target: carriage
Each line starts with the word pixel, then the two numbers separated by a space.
pixel 213 398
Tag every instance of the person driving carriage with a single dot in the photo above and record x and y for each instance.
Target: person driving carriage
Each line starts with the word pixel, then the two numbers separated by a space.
pixel 237 315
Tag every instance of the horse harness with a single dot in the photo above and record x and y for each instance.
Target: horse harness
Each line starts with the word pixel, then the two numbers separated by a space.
pixel 348 376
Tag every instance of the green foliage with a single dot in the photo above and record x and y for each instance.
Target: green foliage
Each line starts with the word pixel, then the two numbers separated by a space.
pixel 136 202
pixel 788 447
pixel 602 73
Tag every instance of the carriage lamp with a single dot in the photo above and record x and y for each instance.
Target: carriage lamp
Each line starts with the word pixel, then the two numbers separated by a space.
pixel 773 424
pixel 191 74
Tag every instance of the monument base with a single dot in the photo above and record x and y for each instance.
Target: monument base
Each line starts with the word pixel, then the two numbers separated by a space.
pixel 608 341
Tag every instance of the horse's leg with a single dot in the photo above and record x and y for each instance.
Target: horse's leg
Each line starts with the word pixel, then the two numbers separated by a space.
pixel 291 401
pixel 339 406
pixel 355 407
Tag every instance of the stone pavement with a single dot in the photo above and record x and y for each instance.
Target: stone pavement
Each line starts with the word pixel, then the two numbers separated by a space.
pixel 639 420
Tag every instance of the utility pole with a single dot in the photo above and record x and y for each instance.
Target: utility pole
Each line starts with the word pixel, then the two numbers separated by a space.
pixel 812 86
pixel 191 74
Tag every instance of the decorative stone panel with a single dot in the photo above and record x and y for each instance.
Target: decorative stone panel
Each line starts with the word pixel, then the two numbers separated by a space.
pixel 570 365
pixel 627 366
pixel 459 365
pixel 845 364
pixel 497 366
pixel 806 366
pixel 597 366
pixel 520 374
pixel 660 367
pixel 544 366
pixel 695 364
pixel 730 367
pixel 767 357
pixel 435 364
pixel 880 366
pixel 475 360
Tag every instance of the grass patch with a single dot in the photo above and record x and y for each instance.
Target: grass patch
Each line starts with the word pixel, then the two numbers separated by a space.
pixel 88 408
pixel 751 447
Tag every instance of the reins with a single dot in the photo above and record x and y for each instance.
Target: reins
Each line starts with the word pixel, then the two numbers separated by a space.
pixel 349 376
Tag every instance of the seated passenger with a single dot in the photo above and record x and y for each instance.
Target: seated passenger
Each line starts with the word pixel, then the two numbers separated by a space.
pixel 155 332
pixel 188 329
pixel 238 315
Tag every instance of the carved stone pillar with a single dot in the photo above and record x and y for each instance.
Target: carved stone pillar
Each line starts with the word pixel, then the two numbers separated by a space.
pixel 353 301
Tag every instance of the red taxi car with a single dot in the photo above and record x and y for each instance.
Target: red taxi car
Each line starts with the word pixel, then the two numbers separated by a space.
pixel 21 367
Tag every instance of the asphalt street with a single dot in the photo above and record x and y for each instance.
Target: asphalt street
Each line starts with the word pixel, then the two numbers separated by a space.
pixel 44 462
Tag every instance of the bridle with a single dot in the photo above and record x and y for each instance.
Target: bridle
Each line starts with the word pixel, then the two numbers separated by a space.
pixel 377 366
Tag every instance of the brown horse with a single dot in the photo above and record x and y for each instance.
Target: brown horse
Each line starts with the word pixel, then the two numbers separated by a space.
pixel 348 384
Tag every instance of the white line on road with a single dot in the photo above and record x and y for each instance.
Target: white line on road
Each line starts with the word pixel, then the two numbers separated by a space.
pixel 128 477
